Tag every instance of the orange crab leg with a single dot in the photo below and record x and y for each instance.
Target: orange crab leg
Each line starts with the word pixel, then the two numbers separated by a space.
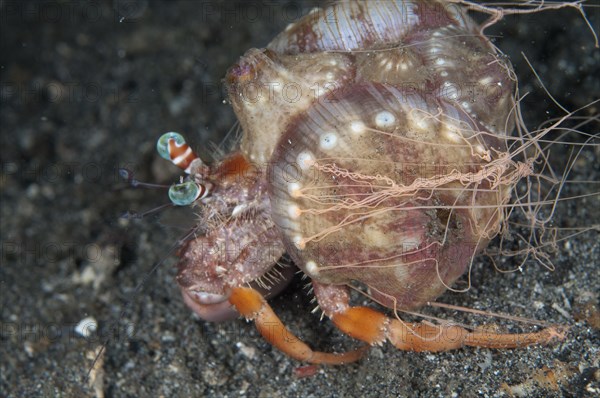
pixel 373 327
pixel 252 305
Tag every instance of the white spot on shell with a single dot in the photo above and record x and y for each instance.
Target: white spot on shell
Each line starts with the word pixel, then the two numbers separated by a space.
pixel 329 76
pixel 320 90
pixel 485 81
pixel 328 140
pixel 385 119
pixel 305 160
pixel 443 73
pixel 299 242
pixel 333 62
pixel 311 268
pixel 294 211
pixel 440 61
pixel 294 189
pixel 420 121
pixel 450 90
pixel 357 127
pixel 452 136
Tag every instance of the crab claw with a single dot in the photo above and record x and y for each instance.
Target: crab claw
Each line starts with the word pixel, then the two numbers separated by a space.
pixel 214 307
pixel 210 307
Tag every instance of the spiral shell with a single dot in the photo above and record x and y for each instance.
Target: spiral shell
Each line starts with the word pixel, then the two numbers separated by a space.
pixel 384 125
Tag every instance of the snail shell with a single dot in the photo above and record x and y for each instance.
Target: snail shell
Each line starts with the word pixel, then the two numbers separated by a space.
pixel 384 125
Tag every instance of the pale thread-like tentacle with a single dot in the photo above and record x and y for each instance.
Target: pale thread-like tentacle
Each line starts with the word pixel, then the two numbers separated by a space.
pixel 251 304
pixel 373 327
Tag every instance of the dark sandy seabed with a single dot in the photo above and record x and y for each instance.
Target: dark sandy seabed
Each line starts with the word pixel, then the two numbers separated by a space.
pixel 88 87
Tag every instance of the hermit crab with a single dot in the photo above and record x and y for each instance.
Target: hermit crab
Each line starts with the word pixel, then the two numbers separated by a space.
pixel 375 153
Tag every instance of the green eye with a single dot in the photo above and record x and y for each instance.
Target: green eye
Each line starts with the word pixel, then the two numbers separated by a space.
pixel 162 145
pixel 186 193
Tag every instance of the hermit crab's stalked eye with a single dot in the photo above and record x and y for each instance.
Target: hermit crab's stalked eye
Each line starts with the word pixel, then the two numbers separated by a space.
pixel 172 146
pixel 186 193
